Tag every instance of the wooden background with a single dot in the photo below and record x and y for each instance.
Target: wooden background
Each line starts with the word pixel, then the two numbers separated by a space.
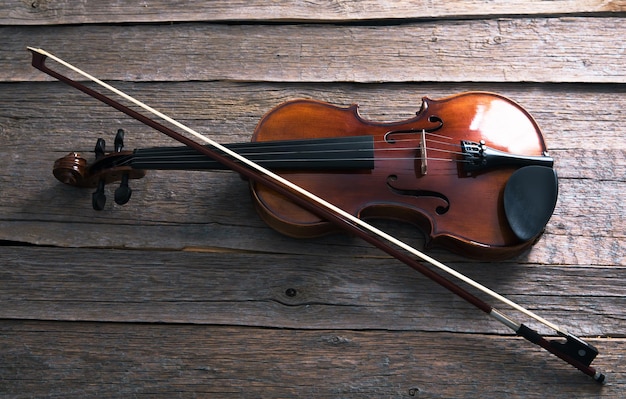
pixel 183 291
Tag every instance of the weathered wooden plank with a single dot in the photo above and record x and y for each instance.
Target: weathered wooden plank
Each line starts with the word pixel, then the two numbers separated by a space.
pixel 584 118
pixel 38 12
pixel 113 360
pixel 47 120
pixel 501 50
pixel 232 308
pixel 226 221
pixel 335 291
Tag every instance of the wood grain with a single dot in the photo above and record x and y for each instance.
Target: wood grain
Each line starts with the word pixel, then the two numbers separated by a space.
pixel 42 12
pixel 121 360
pixel 329 292
pixel 501 50
pixel 184 292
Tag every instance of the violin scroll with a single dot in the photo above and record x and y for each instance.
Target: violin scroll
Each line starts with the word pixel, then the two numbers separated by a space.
pixel 74 170
pixel 71 169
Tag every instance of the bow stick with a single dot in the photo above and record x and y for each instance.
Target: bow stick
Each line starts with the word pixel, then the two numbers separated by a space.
pixel 572 350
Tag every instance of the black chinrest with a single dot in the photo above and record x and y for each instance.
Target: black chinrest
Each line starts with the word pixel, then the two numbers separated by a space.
pixel 529 200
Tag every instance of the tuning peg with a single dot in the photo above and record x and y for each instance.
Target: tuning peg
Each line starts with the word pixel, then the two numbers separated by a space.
pixel 123 192
pixel 119 140
pixel 98 199
pixel 100 148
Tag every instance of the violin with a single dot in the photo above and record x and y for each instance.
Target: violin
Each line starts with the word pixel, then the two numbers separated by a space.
pixel 520 167
pixel 471 171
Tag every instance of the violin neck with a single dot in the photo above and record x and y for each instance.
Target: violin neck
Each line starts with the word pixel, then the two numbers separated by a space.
pixel 342 153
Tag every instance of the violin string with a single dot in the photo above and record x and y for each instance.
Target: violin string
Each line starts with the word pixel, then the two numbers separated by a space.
pixel 173 155
pixel 196 158
pixel 348 217
pixel 300 143
pixel 200 164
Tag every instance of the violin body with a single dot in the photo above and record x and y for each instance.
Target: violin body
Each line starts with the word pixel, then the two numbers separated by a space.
pixel 458 210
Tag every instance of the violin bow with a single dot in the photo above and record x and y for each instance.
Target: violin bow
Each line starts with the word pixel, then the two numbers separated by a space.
pixel 572 349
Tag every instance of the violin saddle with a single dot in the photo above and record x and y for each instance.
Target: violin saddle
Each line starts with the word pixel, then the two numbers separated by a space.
pixel 529 200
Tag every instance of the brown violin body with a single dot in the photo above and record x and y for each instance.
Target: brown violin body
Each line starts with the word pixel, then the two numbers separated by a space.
pixel 457 210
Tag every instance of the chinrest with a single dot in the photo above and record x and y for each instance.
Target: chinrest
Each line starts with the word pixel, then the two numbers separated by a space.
pixel 529 199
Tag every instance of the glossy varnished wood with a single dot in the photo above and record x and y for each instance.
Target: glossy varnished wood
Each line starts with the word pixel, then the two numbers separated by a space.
pixel 457 210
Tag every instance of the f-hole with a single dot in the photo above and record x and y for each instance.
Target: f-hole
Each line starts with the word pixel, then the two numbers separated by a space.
pixel 440 210
pixel 432 119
